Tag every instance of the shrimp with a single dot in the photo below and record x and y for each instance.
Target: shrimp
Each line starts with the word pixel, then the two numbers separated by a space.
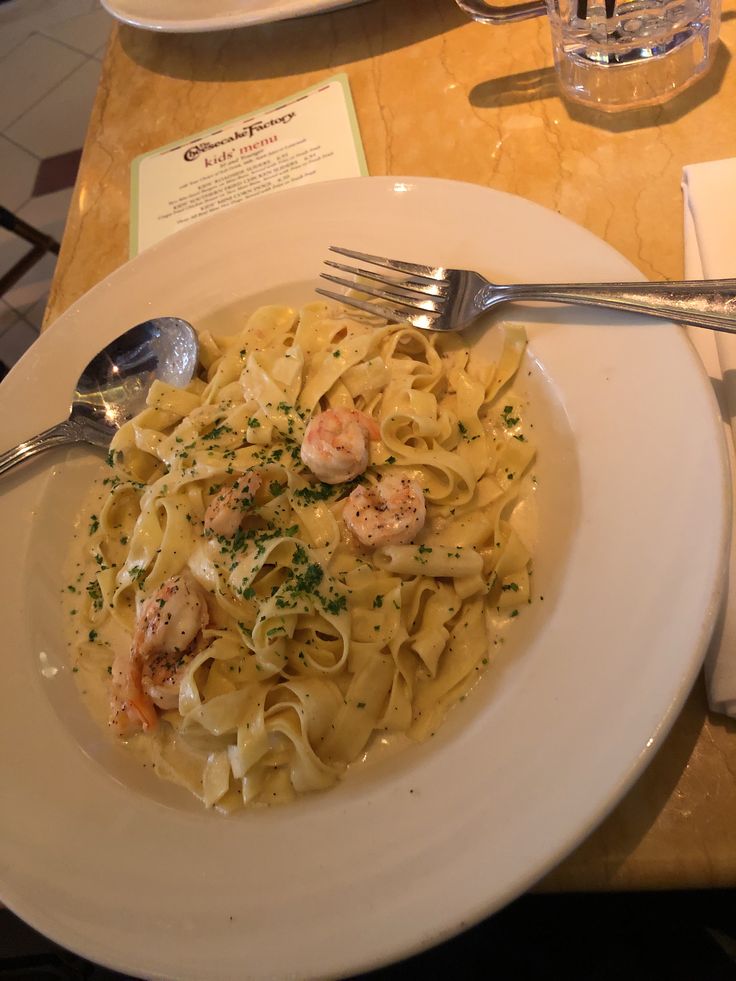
pixel 225 510
pixel 391 513
pixel 148 676
pixel 335 446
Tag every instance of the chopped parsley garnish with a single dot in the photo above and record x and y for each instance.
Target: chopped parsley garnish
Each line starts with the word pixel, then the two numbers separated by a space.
pixel 300 555
pixel 95 594
pixel 310 495
pixel 307 581
pixel 217 432
pixel 334 606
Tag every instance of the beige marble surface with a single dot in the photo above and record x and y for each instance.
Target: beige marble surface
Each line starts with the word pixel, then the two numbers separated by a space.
pixel 438 95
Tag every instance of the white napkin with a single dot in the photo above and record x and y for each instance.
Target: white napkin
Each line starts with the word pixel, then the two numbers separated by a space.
pixel 709 191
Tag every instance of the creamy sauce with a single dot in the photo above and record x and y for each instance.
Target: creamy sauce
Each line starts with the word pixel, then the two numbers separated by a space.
pixel 285 742
pixel 93 646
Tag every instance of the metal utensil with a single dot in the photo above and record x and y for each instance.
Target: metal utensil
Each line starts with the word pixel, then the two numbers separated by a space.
pixel 437 298
pixel 113 386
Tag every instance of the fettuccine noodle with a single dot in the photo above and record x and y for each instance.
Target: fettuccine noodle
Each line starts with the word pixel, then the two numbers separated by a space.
pixel 309 642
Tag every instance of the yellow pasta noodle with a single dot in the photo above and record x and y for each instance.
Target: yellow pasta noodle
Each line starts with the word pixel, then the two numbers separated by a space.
pixel 312 642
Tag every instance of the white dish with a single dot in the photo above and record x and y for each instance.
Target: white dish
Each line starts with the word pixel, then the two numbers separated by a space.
pixel 105 859
pixel 189 16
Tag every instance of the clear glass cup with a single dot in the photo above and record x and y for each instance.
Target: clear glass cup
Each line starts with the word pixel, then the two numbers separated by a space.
pixel 620 54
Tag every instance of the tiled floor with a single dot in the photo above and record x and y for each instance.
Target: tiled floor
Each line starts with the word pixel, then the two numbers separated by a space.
pixel 50 53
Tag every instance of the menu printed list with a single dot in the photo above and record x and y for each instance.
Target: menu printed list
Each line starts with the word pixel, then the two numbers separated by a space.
pixel 310 137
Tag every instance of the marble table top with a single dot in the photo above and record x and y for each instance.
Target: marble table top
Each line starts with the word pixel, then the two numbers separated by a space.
pixel 438 95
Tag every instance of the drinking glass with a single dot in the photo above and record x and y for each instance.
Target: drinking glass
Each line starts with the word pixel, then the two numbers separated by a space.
pixel 620 54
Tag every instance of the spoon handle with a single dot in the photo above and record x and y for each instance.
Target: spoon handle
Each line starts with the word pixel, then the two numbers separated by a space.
pixel 57 435
pixel 72 430
pixel 75 429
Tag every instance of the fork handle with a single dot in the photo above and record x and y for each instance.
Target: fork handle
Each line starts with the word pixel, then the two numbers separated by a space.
pixel 702 303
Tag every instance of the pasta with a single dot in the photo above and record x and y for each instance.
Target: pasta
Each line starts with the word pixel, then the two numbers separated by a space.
pixel 256 610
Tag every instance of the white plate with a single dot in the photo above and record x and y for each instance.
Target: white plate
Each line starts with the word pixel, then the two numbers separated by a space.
pixel 632 498
pixel 187 16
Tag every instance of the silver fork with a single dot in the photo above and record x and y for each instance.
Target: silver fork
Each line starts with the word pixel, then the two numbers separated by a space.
pixel 437 298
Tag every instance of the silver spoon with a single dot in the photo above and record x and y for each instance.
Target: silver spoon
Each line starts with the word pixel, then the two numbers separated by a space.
pixel 114 385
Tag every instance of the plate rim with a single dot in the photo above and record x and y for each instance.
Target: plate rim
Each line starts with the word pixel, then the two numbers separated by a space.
pixel 222 22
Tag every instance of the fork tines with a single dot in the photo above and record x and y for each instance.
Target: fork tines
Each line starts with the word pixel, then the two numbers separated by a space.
pixel 412 268
pixel 420 291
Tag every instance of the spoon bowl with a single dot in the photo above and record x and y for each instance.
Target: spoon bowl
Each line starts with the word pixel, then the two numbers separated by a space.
pixel 114 385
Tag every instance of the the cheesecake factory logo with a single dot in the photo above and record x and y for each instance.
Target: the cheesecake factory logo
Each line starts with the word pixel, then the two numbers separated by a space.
pixel 247 132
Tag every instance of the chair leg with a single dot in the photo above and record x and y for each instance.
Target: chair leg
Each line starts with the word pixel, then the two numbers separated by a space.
pixel 21 228
pixel 21 267
pixel 41 242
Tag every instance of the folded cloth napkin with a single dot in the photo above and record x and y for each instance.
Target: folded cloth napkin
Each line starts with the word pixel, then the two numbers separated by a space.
pixel 709 191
